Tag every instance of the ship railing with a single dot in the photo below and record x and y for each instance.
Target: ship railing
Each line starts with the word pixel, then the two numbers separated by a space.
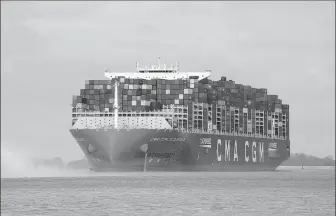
pixel 111 126
pixel 123 114
pixel 183 130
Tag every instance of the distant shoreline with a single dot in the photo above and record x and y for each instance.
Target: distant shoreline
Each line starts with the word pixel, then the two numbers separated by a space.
pixel 308 165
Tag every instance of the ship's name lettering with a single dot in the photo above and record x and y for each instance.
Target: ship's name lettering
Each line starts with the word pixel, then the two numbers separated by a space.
pixel 163 139
pixel 80 139
pixel 205 141
pixel 228 151
pixel 159 155
pixel 272 145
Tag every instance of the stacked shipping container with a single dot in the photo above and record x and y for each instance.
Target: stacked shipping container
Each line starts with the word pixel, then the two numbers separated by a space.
pixel 222 105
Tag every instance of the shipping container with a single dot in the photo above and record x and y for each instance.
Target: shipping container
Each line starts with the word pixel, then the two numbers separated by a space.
pixel 272 98
pixel 285 107
pixel 223 78
pixel 234 91
pixel 261 90
pixel 253 120
pixel 136 94
pixel 277 106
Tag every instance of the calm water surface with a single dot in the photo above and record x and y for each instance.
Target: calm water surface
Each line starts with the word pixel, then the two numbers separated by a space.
pixel 284 192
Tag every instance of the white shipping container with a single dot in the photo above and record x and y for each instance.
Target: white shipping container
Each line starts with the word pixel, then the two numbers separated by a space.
pixel 144 86
pixel 133 103
pixel 245 110
pixel 106 109
pixel 192 86
pixel 131 86
pixel 101 87
pixel 185 91
pixel 122 80
pixel 138 97
pixel 176 101
pixel 108 87
pixel 167 91
pixel 181 96
pixel 126 86
pixel 192 81
pixel 143 103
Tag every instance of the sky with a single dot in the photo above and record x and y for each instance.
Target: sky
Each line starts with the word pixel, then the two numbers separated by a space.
pixel 49 49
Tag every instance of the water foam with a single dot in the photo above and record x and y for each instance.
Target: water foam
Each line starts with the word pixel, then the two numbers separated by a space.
pixel 18 165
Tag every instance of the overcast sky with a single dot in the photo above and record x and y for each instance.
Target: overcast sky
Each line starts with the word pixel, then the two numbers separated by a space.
pixel 49 49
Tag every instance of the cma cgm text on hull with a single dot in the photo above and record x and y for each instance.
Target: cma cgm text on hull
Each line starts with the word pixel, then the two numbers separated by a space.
pixel 223 150
pixel 162 97
pixel 226 152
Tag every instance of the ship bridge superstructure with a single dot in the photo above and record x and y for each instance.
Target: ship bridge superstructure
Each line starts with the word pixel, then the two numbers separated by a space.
pixel 166 72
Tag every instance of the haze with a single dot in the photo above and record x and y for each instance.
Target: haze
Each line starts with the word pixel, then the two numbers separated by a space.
pixel 49 49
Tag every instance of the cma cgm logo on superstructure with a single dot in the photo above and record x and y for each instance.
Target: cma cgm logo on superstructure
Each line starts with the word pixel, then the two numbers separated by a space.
pixel 163 139
pixel 253 152
pixel 205 142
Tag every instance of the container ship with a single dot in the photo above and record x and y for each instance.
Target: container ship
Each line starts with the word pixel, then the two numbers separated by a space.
pixel 158 118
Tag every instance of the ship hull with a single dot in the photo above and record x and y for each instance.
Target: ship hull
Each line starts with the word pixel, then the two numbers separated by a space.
pixel 123 150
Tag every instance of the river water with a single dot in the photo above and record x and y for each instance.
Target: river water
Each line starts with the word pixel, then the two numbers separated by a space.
pixel 287 191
